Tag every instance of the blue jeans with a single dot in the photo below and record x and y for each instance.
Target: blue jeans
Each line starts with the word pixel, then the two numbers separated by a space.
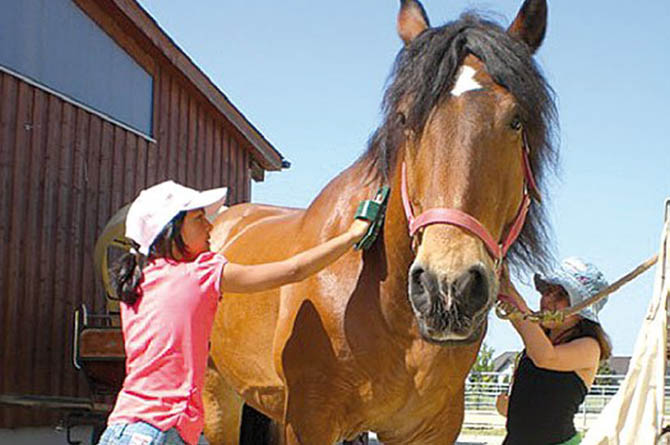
pixel 139 433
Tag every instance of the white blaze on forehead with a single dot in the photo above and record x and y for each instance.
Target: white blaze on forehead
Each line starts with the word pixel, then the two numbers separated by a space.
pixel 465 81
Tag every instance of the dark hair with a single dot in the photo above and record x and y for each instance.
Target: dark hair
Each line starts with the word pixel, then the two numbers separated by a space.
pixel 589 328
pixel 126 273
pixel 585 328
pixel 422 76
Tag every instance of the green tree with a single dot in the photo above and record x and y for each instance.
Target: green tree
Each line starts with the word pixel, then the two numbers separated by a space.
pixel 603 370
pixel 478 379
pixel 483 364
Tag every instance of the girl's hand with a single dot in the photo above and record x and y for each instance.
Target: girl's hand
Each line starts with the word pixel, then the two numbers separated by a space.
pixel 358 229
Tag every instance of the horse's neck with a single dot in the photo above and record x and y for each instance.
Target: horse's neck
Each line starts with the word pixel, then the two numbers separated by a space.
pixel 332 211
pixel 386 264
pixel 396 227
pixel 337 202
pixel 359 182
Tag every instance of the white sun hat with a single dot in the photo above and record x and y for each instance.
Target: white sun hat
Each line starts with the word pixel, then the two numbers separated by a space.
pixel 155 207
pixel 581 280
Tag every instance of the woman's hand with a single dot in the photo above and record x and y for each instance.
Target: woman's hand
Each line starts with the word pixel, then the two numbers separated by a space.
pixel 507 288
pixel 358 229
pixel 502 403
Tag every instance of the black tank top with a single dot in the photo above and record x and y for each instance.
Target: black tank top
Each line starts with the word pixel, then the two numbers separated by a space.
pixel 542 405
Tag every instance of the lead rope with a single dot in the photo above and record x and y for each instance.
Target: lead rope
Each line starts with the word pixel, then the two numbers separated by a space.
pixel 506 310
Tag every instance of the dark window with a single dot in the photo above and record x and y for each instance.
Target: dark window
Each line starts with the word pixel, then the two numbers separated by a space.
pixel 56 44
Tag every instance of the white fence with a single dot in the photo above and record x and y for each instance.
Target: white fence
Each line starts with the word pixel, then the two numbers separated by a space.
pixel 481 390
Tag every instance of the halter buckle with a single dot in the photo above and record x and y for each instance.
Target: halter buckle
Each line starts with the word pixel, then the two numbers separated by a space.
pixel 497 262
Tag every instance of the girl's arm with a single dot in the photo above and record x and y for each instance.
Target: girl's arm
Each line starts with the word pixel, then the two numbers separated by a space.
pixel 582 353
pixel 239 278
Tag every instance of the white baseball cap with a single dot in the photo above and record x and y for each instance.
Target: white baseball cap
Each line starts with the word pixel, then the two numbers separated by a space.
pixel 155 207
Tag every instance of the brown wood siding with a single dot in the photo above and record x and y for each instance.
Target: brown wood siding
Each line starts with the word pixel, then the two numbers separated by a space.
pixel 63 172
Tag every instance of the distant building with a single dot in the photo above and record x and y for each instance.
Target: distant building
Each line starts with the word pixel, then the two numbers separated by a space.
pixel 504 365
pixel 619 365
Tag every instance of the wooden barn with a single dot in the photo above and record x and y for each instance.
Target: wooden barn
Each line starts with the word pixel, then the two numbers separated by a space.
pixel 96 103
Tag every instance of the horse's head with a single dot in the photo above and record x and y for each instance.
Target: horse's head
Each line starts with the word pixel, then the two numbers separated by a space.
pixel 464 104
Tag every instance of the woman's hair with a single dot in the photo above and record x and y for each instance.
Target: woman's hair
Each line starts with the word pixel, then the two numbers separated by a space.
pixel 586 328
pixel 589 328
pixel 126 273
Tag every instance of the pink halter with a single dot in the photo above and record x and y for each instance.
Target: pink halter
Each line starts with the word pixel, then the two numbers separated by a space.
pixel 455 217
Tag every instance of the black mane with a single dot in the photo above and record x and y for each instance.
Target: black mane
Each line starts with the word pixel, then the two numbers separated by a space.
pixel 423 74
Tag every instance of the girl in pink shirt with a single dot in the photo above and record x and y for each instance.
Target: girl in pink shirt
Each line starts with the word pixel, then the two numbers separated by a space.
pixel 170 285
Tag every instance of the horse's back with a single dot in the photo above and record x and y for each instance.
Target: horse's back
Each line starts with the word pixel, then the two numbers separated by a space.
pixel 238 218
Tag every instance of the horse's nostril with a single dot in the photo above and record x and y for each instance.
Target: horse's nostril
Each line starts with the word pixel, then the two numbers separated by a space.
pixel 473 289
pixel 422 286
pixel 416 279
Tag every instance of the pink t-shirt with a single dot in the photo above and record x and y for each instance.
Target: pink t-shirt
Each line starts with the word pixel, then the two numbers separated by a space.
pixel 166 336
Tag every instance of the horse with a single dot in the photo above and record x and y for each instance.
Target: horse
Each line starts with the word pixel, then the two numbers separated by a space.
pixel 383 339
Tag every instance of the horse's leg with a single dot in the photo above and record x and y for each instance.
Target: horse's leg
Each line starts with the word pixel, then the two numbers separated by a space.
pixel 309 364
pixel 276 434
pixel 290 437
pixel 307 437
pixel 442 428
pixel 360 440
pixel 223 410
pixel 451 423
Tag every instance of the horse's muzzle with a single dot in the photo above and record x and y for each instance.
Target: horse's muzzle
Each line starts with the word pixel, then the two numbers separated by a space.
pixel 450 310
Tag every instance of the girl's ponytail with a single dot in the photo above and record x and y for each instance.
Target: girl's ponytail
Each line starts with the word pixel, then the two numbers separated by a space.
pixel 126 273
pixel 126 276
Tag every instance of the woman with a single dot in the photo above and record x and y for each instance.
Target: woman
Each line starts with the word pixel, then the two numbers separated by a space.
pixel 169 286
pixel 560 359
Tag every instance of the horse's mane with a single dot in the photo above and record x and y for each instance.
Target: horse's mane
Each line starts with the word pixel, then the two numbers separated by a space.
pixel 422 76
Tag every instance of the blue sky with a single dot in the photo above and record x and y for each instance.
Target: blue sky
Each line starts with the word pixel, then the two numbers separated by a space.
pixel 310 75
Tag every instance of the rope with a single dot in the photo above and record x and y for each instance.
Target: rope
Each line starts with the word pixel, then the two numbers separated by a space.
pixel 507 311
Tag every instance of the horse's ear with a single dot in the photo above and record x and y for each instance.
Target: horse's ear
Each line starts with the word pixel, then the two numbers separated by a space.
pixel 412 20
pixel 530 24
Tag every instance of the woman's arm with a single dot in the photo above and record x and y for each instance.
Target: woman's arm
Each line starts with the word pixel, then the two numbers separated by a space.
pixel 581 353
pixel 577 354
pixel 239 278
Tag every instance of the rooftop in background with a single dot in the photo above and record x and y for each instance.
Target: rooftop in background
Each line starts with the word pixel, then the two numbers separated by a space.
pixel 619 365
pixel 504 361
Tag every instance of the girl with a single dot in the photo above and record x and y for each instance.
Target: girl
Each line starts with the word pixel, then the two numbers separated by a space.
pixel 169 286
pixel 560 359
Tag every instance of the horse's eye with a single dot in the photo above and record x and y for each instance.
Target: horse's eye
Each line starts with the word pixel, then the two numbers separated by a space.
pixel 401 118
pixel 516 124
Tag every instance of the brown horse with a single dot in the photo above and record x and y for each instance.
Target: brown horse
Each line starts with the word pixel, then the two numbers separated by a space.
pixel 383 340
